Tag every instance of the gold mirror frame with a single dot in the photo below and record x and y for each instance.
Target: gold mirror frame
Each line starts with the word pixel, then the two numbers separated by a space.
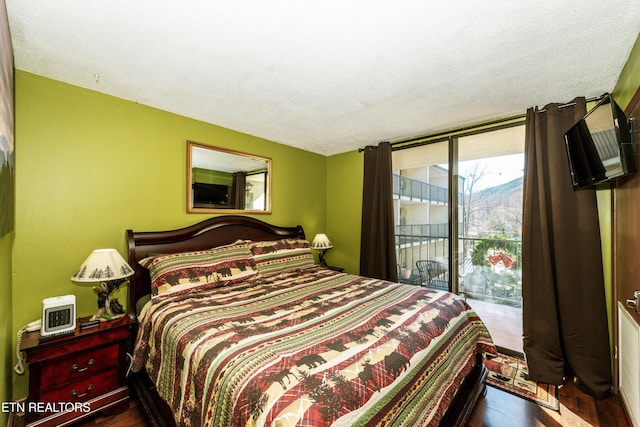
pixel 211 171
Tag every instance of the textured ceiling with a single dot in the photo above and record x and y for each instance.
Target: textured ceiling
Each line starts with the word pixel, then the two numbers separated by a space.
pixel 335 75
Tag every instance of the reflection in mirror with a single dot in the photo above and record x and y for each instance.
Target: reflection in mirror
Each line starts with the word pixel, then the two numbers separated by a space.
pixel 225 181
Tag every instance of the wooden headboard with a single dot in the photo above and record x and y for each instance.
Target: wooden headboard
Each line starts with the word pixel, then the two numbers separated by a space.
pixel 207 234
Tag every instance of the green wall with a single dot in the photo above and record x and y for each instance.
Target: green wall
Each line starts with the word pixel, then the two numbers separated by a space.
pixel 90 166
pixel 629 80
pixel 344 209
pixel 209 176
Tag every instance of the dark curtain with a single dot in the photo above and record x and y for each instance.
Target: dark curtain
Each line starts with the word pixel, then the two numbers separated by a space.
pixel 377 241
pixel 239 184
pixel 563 298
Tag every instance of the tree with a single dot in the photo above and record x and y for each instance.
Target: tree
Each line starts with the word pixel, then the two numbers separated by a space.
pixel 471 202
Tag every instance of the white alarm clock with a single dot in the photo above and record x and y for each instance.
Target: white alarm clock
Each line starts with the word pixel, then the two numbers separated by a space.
pixel 58 316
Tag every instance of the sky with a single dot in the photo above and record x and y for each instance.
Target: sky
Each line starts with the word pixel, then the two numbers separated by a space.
pixel 497 170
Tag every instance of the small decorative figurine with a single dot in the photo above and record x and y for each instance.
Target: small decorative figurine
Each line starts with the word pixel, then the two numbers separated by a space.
pixel 108 307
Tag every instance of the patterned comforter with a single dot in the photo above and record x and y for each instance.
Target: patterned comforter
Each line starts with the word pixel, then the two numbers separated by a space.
pixel 309 347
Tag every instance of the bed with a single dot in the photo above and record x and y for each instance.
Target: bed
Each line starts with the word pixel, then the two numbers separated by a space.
pixel 238 327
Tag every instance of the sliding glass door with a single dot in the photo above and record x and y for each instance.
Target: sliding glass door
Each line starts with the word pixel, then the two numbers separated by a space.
pixel 421 203
pixel 491 168
pixel 458 205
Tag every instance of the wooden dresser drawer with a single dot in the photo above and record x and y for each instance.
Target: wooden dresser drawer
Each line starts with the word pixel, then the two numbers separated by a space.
pixel 84 389
pixel 76 366
pixel 86 370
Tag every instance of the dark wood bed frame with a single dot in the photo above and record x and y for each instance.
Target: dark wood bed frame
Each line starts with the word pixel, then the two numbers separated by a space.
pixel 223 230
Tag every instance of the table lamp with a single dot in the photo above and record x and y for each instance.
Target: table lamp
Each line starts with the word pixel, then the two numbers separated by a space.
pixel 322 244
pixel 108 267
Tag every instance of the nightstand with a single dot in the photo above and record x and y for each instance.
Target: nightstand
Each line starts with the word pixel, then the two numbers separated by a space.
pixel 85 371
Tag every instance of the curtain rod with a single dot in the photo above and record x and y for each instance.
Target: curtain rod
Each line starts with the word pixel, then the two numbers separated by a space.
pixel 472 129
pixel 573 104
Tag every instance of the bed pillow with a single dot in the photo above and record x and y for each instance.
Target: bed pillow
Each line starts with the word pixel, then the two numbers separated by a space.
pixel 185 272
pixel 281 255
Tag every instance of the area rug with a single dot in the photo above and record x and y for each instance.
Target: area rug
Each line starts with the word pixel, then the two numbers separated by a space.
pixel 511 375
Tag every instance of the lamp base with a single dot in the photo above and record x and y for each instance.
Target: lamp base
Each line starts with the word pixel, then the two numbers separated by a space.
pixel 321 253
pixel 108 308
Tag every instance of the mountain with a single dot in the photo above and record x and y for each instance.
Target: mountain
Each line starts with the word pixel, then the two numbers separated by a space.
pixel 509 188
pixel 495 210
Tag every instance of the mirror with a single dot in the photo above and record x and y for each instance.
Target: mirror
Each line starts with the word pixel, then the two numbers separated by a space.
pixel 226 181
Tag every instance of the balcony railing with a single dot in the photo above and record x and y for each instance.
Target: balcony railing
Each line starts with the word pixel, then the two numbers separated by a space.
pixel 423 231
pixel 491 268
pixel 412 189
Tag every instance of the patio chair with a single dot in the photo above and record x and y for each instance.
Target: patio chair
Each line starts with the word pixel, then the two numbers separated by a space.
pixel 433 274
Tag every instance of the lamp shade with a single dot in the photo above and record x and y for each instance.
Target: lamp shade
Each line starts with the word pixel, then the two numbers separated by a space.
pixel 321 241
pixel 102 264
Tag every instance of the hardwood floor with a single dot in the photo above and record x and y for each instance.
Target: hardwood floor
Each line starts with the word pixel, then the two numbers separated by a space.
pixel 496 409
pixel 134 417
pixel 501 409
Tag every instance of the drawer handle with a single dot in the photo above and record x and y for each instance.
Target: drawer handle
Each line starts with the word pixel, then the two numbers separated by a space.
pixel 76 395
pixel 90 363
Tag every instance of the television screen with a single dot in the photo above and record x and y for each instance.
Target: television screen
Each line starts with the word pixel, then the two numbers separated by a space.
pixel 210 194
pixel 600 146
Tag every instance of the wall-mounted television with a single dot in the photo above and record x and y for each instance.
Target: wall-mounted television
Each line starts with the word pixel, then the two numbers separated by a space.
pixel 600 146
